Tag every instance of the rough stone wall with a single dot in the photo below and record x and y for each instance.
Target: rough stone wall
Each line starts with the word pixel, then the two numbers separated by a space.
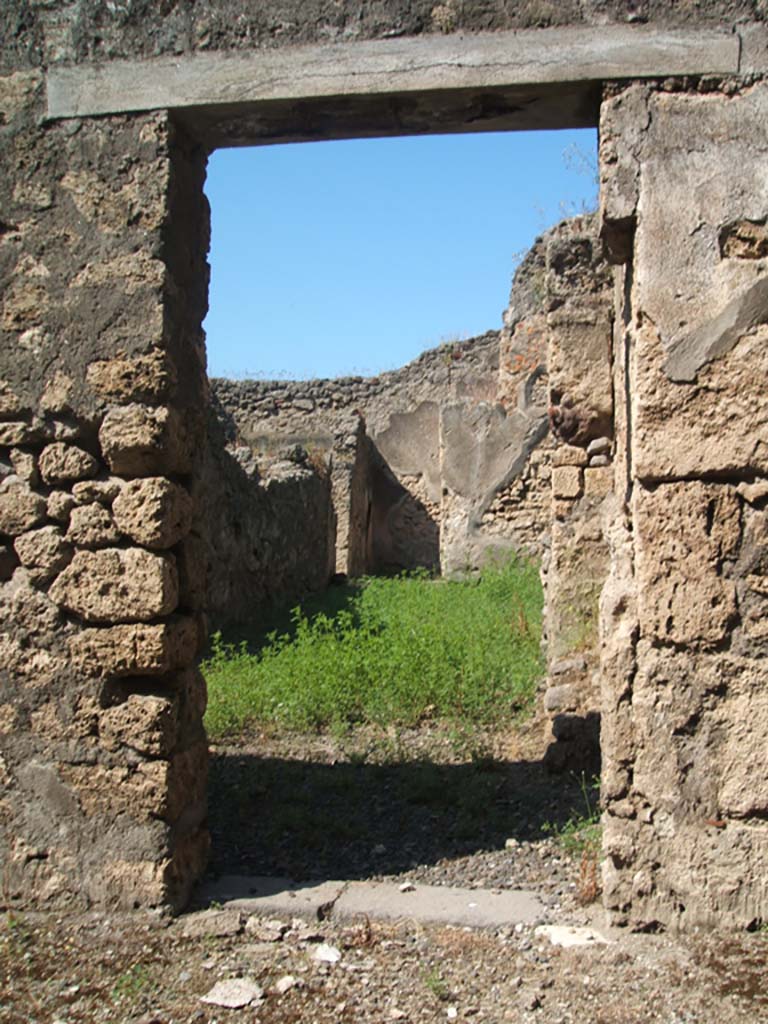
pixel 685 776
pixel 556 363
pixel 102 278
pixel 380 438
pixel 269 528
pixel 102 284
pixel 315 412
pixel 519 512
pixel 579 321
pixel 78 30
pixel 436 464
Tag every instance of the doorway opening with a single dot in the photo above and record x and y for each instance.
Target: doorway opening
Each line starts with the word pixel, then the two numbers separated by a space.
pixel 314 479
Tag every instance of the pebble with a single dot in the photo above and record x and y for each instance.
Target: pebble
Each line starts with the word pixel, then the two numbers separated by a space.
pixel 326 954
pixel 234 994
pixel 532 1001
pixel 266 931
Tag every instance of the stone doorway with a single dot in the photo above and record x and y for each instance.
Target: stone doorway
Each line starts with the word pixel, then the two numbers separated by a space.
pixel 103 389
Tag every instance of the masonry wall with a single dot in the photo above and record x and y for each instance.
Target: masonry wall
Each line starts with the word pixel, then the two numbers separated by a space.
pixel 103 281
pixel 381 441
pixel 80 30
pixel 580 321
pixel 269 528
pixel 103 233
pixel 556 358
pixel 685 778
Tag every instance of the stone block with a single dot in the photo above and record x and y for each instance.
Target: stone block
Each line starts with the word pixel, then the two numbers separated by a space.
pixel 115 585
pixel 56 396
pixel 191 562
pixel 192 692
pixel 138 792
pixel 191 851
pixel 562 508
pixel 742 725
pixel 561 698
pixel 172 790
pixel 754 48
pixel 146 723
pixel 566 482
pixel 187 780
pixel 681 432
pixel 754 493
pixel 60 505
pixel 44 552
pixel 64 463
pixel 140 440
pixel 132 379
pixel 575 664
pixel 103 491
pixel 683 533
pixel 25 466
pixel 154 512
pixel 702 332
pixel 623 121
pixel 569 455
pixel 11 405
pixel 580 372
pixel 92 526
pixel 14 433
pixel 598 481
pixel 212 924
pixel 600 446
pixel 21 509
pixel 137 649
pixel 128 884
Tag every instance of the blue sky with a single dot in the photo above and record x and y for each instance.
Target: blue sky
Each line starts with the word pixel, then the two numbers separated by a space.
pixel 353 257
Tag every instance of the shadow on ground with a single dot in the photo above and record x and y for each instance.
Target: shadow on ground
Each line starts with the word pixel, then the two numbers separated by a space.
pixel 306 819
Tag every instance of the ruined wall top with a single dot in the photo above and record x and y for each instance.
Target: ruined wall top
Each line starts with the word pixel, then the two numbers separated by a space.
pixel 458 369
pixel 32 34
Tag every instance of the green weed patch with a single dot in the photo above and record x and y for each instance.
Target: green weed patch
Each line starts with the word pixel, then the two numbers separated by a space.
pixel 389 651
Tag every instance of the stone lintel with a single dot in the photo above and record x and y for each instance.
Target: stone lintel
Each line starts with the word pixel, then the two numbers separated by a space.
pixel 505 71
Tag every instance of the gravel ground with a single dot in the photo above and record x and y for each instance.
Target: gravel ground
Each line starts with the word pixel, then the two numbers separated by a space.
pixel 147 968
pixel 422 805
pixel 103 969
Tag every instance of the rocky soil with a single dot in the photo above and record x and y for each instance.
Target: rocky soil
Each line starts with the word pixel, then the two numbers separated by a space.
pixel 432 806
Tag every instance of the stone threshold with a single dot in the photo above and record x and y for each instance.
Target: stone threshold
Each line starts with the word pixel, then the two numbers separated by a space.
pixel 378 901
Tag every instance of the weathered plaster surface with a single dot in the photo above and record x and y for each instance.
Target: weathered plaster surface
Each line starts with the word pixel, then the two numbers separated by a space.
pixel 683 677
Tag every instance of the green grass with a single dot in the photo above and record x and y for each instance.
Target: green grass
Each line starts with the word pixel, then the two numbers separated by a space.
pixel 389 651
pixel 582 833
